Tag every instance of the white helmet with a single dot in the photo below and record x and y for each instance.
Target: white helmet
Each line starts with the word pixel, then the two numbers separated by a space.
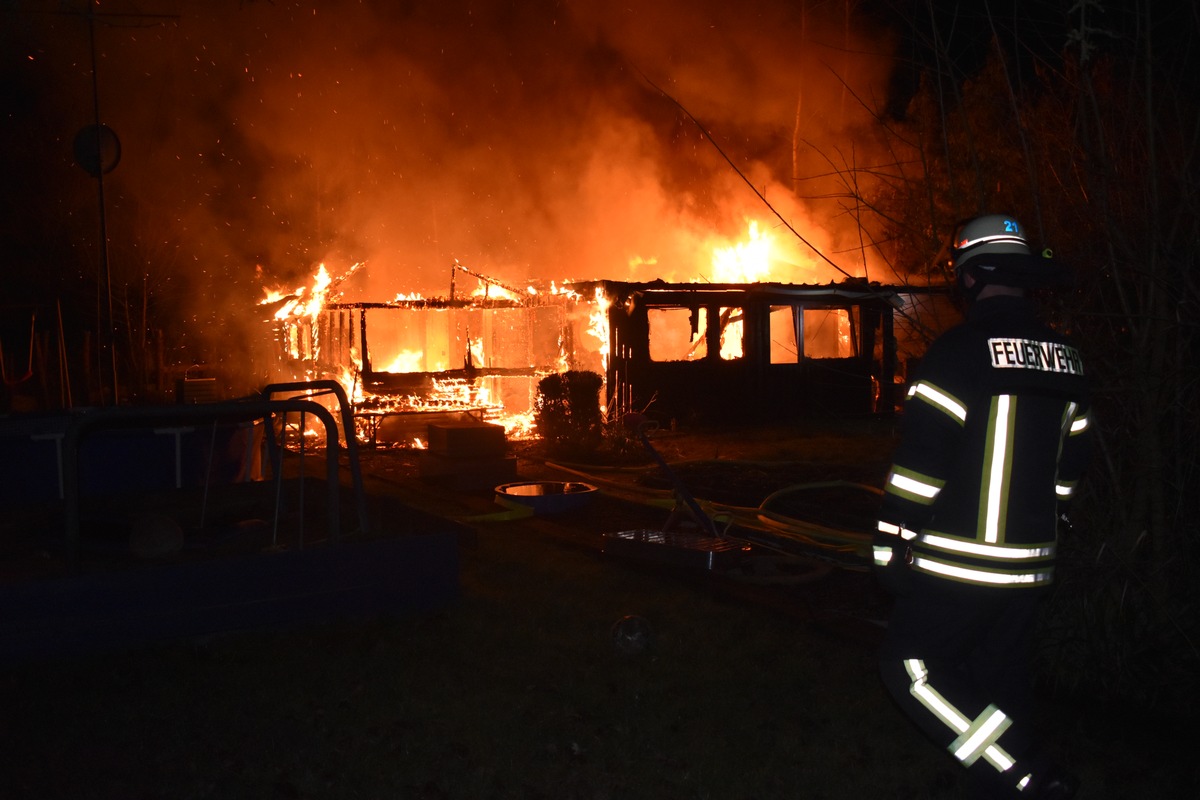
pixel 993 249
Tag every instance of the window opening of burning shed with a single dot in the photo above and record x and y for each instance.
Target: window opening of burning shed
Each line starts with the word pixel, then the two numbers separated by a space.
pixel 683 334
pixel 770 351
pixel 824 332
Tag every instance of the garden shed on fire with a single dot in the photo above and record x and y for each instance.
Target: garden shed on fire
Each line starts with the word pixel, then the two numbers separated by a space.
pixel 683 352
pixel 696 351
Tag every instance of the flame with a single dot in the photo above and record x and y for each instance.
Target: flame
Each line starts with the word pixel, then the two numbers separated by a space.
pixel 598 325
pixel 475 347
pixel 350 382
pixel 294 303
pixel 406 361
pixel 518 426
pixel 745 262
pixel 271 296
pixel 318 294
pixel 491 291
pixel 298 310
pixel 731 335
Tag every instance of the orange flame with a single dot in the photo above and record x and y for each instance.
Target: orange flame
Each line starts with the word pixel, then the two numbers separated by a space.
pixel 598 325
pixel 745 262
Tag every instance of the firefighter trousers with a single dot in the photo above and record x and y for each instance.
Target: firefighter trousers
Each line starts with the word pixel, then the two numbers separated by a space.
pixel 960 668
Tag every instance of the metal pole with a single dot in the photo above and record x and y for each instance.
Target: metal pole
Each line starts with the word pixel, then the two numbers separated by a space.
pixel 104 325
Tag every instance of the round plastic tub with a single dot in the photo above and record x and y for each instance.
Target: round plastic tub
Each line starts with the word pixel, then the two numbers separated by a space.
pixel 547 497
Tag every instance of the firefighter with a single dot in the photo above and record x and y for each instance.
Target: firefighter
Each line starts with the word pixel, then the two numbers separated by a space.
pixel 993 445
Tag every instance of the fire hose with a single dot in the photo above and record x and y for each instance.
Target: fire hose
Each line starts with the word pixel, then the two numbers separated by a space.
pixel 759 525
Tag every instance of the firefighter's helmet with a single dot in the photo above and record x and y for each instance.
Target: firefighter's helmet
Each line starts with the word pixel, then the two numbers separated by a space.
pixel 992 249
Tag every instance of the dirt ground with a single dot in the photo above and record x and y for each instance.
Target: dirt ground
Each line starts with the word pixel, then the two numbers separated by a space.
pixel 757 679
pixel 811 473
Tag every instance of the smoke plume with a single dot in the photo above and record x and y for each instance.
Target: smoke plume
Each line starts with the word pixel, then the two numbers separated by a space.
pixel 526 140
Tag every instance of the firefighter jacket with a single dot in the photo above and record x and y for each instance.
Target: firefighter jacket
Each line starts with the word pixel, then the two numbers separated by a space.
pixel 994 442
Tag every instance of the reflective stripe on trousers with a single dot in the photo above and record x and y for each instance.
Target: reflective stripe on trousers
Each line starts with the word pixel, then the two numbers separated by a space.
pixel 958 665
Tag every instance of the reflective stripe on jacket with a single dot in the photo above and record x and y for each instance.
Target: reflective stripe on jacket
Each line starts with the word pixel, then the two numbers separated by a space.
pixel 994 443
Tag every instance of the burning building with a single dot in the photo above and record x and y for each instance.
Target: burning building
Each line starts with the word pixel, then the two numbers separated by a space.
pixel 621 143
pixel 690 352
pixel 751 352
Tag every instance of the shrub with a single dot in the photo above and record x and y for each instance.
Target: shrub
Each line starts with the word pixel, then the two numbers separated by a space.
pixel 567 412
